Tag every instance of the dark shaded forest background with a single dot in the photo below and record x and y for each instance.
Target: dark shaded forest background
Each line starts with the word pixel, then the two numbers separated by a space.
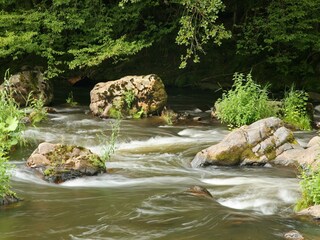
pixel 186 42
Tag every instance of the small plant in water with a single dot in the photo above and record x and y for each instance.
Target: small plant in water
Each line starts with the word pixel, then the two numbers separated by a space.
pixel 168 116
pixel 295 109
pixel 109 141
pixel 38 112
pixel 70 100
pixel 245 103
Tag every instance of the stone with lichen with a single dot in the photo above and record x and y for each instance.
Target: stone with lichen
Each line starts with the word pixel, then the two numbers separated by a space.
pixel 130 95
pixel 58 163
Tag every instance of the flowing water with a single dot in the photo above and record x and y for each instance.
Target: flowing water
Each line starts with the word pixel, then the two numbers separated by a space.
pixel 143 195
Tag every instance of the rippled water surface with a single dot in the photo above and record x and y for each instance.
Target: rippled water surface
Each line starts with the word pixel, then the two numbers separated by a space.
pixel 143 195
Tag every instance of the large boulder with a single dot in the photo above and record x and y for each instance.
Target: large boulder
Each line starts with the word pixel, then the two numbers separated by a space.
pixel 58 163
pixel 255 144
pixel 129 95
pixel 28 85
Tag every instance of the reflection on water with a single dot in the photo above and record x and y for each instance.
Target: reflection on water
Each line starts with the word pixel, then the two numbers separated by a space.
pixel 143 196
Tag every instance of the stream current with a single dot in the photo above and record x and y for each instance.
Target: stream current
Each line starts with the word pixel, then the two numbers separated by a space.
pixel 143 195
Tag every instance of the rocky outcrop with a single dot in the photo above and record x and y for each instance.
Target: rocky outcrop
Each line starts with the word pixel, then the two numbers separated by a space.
pixel 130 96
pixel 58 163
pixel 255 144
pixel 28 85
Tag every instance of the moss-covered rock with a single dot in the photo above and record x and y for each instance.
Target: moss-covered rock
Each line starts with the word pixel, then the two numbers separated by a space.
pixel 128 96
pixel 58 163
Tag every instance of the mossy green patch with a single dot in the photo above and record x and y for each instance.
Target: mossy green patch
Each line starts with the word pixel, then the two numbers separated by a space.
pixel 96 161
pixel 49 172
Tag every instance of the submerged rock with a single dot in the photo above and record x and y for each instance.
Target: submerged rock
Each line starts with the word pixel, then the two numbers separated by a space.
pixel 293 235
pixel 27 85
pixel 131 96
pixel 199 191
pixel 58 163
pixel 9 199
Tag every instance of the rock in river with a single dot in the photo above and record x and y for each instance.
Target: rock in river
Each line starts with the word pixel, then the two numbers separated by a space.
pixel 313 211
pixel 8 199
pixel 58 163
pixel 199 191
pixel 255 144
pixel 293 235
pixel 28 85
pixel 130 96
pixel 265 141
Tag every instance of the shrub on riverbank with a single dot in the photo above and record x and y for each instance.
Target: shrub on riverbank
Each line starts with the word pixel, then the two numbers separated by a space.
pixel 295 109
pixel 248 101
pixel 310 186
pixel 10 135
pixel 245 103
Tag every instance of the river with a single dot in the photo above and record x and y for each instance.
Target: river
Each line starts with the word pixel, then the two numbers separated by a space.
pixel 143 195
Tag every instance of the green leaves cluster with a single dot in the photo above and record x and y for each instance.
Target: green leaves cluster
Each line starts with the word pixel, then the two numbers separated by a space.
pixel 295 109
pixel 10 134
pixel 198 25
pixel 310 186
pixel 83 34
pixel 285 32
pixel 245 103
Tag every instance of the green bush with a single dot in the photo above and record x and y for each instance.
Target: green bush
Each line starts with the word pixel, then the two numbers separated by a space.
pixel 295 109
pixel 310 186
pixel 10 135
pixel 245 103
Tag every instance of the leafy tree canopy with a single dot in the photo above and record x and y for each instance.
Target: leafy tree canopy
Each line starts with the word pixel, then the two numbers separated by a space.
pixel 70 34
pixel 287 32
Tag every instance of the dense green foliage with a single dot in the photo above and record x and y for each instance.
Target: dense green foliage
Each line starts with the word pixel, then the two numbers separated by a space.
pixel 286 33
pixel 310 186
pixel 295 109
pixel 82 34
pixel 245 103
pixel 10 133
pixel 11 127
